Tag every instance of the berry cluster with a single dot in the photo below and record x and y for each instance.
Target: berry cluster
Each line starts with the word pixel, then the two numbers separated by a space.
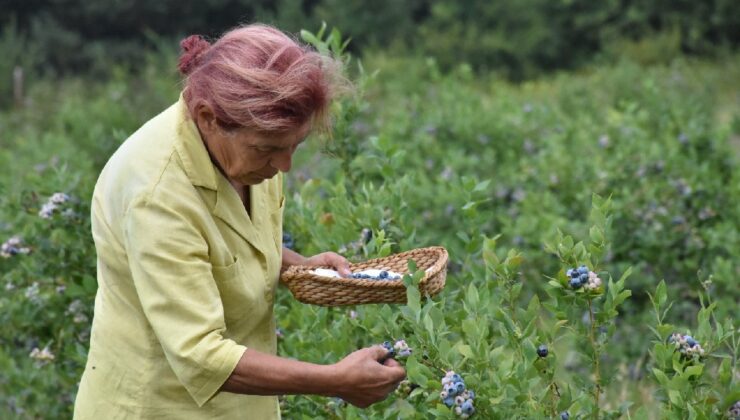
pixel 13 246
pixel 376 275
pixel 53 204
pixel 43 356
pixel 405 387
pixel 398 350
pixel 734 411
pixel 455 395
pixel 686 345
pixel 583 277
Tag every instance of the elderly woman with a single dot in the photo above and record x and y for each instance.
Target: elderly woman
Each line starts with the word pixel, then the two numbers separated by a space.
pixel 187 223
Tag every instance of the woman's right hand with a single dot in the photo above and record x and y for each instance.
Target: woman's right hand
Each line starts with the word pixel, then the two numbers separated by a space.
pixel 363 380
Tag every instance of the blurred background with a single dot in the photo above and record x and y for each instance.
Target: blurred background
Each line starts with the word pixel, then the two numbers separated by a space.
pixel 518 39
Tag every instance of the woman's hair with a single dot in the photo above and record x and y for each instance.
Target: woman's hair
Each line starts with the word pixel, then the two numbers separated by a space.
pixel 258 77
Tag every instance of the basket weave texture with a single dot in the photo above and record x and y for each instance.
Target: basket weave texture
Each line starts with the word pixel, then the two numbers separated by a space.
pixel 328 291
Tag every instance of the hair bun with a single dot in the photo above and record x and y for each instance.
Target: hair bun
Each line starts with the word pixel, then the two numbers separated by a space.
pixel 192 48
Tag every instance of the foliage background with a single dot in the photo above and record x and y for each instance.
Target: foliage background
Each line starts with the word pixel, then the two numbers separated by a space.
pixel 490 118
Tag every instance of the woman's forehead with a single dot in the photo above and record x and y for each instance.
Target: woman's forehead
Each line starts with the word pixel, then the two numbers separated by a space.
pixel 277 139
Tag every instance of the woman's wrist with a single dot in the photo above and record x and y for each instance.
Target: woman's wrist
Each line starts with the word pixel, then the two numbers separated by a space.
pixel 291 257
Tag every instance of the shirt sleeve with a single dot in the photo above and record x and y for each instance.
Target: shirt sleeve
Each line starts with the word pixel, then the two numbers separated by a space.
pixel 171 271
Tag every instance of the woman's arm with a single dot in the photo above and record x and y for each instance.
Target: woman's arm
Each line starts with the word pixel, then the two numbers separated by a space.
pixel 291 257
pixel 331 259
pixel 359 378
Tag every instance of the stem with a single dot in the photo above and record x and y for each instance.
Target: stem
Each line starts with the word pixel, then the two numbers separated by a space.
pixel 431 365
pixel 555 392
pixel 597 374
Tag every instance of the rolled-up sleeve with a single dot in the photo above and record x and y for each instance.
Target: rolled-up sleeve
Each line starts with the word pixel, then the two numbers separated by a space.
pixel 168 257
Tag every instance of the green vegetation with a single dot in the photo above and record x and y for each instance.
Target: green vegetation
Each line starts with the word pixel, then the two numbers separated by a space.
pixel 626 168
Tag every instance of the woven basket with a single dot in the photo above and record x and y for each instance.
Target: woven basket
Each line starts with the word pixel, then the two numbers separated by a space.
pixel 328 291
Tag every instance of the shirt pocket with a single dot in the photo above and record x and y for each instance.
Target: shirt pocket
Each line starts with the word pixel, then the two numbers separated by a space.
pixel 241 286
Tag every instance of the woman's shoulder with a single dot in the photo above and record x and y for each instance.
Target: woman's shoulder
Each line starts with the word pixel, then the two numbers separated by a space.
pixel 146 164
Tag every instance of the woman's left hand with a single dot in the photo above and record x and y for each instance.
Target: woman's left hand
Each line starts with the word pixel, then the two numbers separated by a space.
pixel 332 259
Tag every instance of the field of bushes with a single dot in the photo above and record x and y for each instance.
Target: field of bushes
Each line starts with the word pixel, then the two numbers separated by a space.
pixel 627 168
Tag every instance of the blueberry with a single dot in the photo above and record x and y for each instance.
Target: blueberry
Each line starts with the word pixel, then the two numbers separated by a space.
pixel 288 241
pixel 383 275
pixel 459 387
pixel 467 407
pixel 542 351
pixel 583 278
pixel 690 341
pixel 564 415
pixel 366 235
pixel 576 284
pixel 449 401
pixel 452 389
pixel 583 270
pixel 456 378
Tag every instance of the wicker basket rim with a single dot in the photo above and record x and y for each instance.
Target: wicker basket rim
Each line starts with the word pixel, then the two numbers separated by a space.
pixel 295 270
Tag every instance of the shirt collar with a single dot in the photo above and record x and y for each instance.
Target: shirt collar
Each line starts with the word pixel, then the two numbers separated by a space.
pixel 193 153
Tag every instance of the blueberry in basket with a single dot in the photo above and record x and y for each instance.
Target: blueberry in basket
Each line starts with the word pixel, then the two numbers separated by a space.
pixel 369 274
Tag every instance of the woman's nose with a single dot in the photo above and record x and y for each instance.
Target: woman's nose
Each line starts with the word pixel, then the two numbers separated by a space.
pixel 283 160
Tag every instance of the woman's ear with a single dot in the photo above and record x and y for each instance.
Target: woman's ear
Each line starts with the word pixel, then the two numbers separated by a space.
pixel 205 119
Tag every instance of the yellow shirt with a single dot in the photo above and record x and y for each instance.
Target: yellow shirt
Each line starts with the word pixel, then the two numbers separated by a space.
pixel 186 281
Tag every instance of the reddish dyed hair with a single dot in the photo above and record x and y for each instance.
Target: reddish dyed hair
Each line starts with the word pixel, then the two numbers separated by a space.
pixel 259 78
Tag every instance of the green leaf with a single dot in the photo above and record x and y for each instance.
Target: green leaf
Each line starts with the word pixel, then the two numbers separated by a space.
pixel 429 325
pixel 661 377
pixel 414 372
pixel 466 351
pixel 555 284
pixel 661 295
pixel 413 300
pixel 622 297
pixel 596 234
pixel 472 296
pixel 675 397
pixel 481 186
pixel 695 370
pixel 310 38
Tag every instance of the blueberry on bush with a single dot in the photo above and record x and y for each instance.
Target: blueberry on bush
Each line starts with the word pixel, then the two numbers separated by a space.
pixel 288 241
pixel 13 246
pixel 564 415
pixel 455 396
pixel 399 350
pixel 686 345
pixel 734 411
pixel 542 351
pixel 583 277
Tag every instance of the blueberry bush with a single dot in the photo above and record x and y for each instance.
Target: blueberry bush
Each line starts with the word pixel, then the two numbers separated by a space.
pixel 591 221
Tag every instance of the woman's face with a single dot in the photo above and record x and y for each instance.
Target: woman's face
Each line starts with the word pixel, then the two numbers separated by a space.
pixel 248 157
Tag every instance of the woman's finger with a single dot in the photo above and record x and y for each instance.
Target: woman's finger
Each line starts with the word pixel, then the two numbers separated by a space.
pixel 339 263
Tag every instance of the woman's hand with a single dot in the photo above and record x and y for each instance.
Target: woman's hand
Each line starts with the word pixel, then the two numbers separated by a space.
pixel 364 380
pixel 332 259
